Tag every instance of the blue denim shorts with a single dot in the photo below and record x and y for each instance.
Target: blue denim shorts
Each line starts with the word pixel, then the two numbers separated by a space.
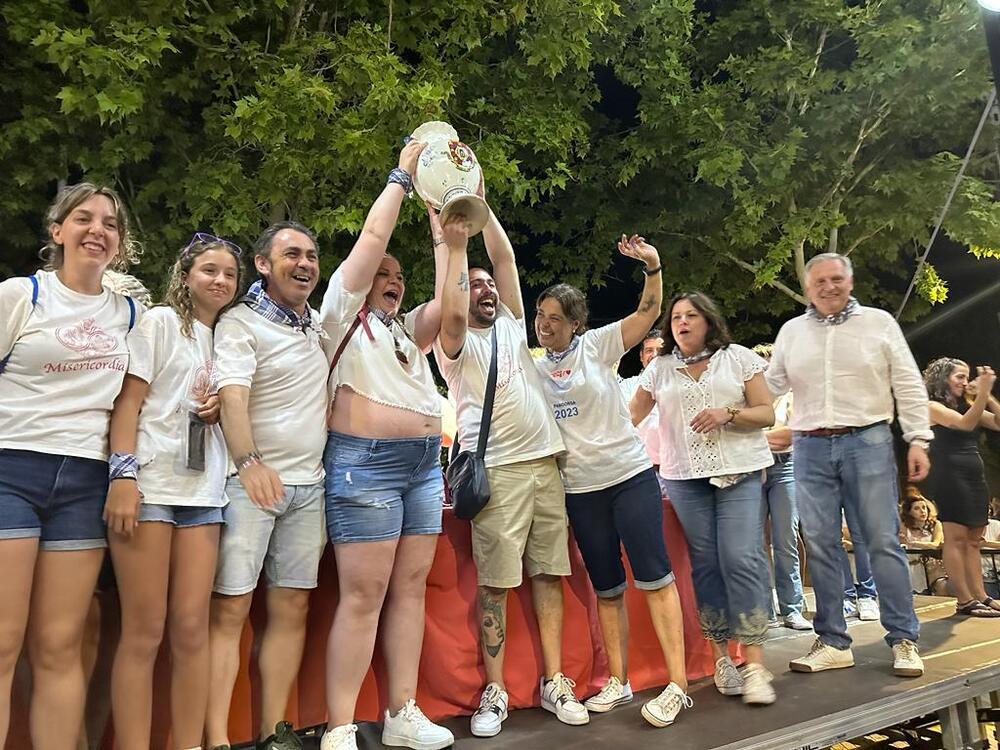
pixel 181 516
pixel 59 499
pixel 629 513
pixel 379 489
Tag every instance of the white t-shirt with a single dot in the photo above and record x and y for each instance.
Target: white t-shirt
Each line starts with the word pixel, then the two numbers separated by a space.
pixel 686 454
pixel 602 446
pixel 180 372
pixel 66 367
pixel 522 428
pixel 369 366
pixel 648 428
pixel 286 371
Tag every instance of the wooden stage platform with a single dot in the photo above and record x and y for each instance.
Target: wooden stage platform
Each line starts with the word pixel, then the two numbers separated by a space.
pixel 962 664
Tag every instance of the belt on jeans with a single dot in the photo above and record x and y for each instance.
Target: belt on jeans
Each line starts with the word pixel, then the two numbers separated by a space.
pixel 831 431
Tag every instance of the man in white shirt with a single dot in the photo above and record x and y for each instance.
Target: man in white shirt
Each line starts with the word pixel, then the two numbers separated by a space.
pixel 849 366
pixel 272 368
pixel 525 521
pixel 648 428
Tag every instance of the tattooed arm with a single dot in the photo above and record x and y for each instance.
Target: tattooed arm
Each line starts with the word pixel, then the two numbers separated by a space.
pixel 637 325
pixel 455 297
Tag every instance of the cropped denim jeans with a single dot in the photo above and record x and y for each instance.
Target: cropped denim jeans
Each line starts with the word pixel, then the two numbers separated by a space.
pixel 724 537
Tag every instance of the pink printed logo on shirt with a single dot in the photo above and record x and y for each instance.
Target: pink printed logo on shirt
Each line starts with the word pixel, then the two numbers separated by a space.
pixel 206 381
pixel 86 338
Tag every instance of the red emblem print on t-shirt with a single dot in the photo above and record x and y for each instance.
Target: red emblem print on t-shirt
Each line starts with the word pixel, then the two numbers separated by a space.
pixel 87 338
pixel 205 381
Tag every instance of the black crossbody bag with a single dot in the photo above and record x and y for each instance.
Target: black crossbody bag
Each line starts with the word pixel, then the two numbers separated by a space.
pixel 466 474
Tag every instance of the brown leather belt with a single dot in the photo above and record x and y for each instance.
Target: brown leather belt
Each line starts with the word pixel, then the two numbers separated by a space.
pixel 831 431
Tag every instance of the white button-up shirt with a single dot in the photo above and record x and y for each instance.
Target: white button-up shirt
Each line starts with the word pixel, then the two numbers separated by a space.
pixel 686 454
pixel 847 375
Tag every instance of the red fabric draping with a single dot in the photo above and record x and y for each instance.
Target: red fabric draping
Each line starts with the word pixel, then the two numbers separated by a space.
pixel 451 674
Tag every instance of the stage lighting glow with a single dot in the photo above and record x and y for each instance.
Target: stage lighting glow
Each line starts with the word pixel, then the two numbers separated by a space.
pixel 991 5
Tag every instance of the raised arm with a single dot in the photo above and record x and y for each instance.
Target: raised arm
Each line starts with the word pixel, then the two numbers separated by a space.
pixel 455 294
pixel 121 509
pixel 637 325
pixel 428 316
pixel 505 273
pixel 973 417
pixel 358 269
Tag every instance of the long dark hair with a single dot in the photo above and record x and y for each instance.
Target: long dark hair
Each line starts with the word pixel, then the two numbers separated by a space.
pixel 717 337
pixel 936 376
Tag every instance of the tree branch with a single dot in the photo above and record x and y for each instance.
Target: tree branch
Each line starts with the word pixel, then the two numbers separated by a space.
pixel 294 19
pixel 864 238
pixel 774 283
pixel 815 68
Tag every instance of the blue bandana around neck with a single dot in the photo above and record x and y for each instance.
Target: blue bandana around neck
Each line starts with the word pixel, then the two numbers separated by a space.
pixel 258 300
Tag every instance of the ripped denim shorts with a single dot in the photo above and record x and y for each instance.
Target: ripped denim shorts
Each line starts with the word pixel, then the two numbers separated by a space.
pixel 382 488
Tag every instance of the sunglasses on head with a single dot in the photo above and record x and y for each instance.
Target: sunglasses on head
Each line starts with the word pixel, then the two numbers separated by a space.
pixel 203 238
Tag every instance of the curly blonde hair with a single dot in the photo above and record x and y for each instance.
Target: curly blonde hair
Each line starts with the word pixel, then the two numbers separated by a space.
pixel 178 296
pixel 66 201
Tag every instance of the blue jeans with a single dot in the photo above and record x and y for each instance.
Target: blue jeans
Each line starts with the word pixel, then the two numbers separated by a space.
pixel 723 531
pixel 865 586
pixel 857 472
pixel 779 504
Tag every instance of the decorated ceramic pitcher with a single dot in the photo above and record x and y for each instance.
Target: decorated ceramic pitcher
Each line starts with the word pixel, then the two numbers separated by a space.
pixel 448 175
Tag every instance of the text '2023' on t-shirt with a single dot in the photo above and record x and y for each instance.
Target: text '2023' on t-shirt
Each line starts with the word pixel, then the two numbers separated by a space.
pixel 68 359
pixel 602 446
pixel 181 373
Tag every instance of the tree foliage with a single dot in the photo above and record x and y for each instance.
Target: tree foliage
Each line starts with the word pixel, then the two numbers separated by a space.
pixel 743 136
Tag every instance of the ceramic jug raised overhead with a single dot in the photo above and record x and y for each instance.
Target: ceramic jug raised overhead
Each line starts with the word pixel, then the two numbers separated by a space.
pixel 448 175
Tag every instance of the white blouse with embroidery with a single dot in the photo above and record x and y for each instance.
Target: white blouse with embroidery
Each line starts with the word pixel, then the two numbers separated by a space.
pixel 686 454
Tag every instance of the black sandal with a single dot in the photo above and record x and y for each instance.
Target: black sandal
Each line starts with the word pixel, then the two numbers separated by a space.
pixel 976 608
pixel 989 601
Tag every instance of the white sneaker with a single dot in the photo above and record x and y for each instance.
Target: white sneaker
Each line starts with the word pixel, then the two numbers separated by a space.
pixel 727 679
pixel 796 621
pixel 558 697
pixel 821 657
pixel 868 609
pixel 612 695
pixel 663 709
pixel 487 720
pixel 410 728
pixel 757 688
pixel 906 659
pixel 850 609
pixel 340 738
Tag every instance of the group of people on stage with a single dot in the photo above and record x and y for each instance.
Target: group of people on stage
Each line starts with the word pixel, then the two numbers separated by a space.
pixel 222 435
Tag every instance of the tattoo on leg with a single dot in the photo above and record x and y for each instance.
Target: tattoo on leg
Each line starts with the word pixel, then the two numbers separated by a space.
pixel 491 620
pixel 463 281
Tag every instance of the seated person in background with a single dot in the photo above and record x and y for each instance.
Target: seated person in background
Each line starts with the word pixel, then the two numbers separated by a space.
pixel 919 529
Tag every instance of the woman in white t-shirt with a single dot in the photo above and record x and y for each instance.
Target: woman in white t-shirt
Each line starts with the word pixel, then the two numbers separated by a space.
pixel 713 404
pixel 164 505
pixel 612 494
pixel 63 356
pixel 384 487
